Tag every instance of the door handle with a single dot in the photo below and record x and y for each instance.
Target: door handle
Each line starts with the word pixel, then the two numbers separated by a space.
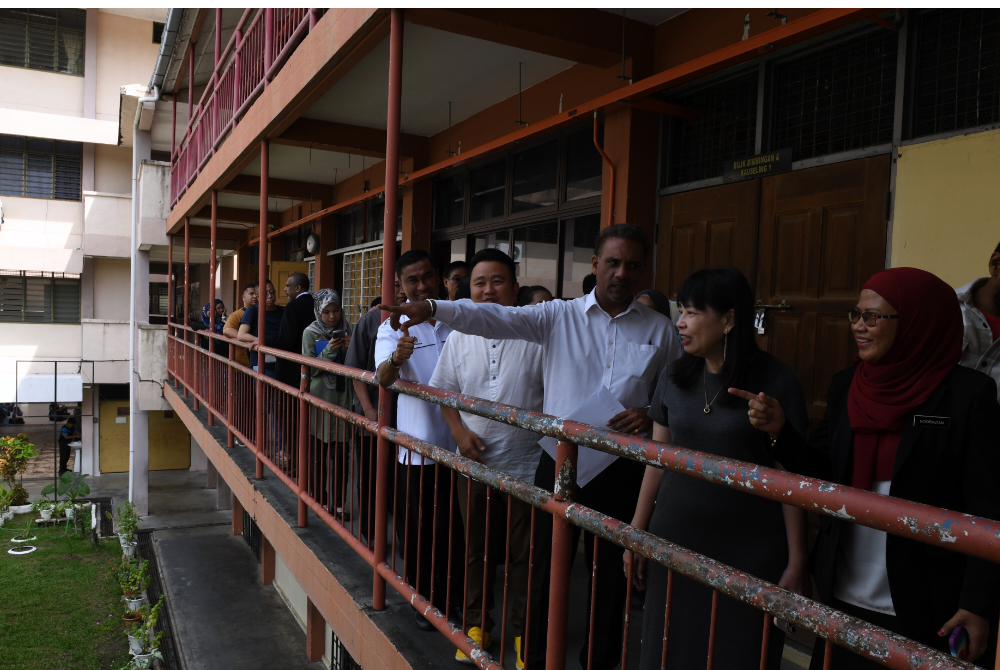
pixel 759 318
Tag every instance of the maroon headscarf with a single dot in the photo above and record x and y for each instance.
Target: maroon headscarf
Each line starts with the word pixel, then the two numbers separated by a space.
pixel 928 346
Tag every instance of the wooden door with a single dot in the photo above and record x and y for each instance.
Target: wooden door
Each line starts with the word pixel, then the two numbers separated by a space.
pixel 822 235
pixel 279 275
pixel 712 227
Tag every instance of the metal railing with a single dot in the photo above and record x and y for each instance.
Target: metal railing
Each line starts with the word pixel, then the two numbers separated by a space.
pixel 254 55
pixel 327 474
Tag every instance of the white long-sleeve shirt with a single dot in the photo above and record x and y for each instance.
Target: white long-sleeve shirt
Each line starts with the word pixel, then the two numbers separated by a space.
pixel 585 348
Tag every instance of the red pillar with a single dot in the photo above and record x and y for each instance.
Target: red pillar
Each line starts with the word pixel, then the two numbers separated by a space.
pixel 237 516
pixel 187 278
pixel 262 299
pixel 207 392
pixel 266 561
pixel 268 42
pixel 315 632
pixel 218 36
pixel 190 85
pixel 384 453
pixel 562 550
pixel 170 301
pixel 173 130
pixel 303 445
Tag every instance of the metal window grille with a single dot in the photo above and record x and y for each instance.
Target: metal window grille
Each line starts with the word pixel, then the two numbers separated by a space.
pixel 836 99
pixel 39 297
pixel 38 168
pixel 725 128
pixel 251 535
pixel 956 80
pixel 340 658
pixel 362 281
pixel 43 39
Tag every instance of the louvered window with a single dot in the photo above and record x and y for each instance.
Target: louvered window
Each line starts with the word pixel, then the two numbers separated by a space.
pixel 37 168
pixel 39 297
pixel 43 39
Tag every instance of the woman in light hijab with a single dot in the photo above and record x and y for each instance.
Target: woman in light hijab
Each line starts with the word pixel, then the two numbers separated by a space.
pixel 327 338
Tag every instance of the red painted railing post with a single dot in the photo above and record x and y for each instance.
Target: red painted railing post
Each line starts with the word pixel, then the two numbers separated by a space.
pixel 562 550
pixel 304 445
pixel 384 450
pixel 313 18
pixel 172 352
pixel 236 74
pixel 231 393
pixel 268 42
pixel 262 303
pixel 190 88
pixel 187 311
pixel 211 305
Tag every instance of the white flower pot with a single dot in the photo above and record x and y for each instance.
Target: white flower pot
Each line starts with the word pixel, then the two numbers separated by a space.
pixel 128 550
pixel 8 515
pixel 20 509
pixel 46 514
pixel 143 661
pixel 69 512
pixel 133 603
pixel 135 646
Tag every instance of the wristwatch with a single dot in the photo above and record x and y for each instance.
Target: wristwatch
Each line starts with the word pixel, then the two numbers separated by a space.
pixel 392 362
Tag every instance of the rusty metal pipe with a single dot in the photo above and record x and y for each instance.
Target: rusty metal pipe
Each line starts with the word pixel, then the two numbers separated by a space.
pixel 393 124
pixel 611 167
pixel 213 231
pixel 303 444
pixel 261 298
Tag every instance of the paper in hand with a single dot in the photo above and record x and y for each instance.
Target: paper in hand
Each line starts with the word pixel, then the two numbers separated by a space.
pixel 596 411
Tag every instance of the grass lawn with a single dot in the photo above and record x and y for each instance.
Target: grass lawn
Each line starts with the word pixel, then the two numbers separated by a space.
pixel 57 609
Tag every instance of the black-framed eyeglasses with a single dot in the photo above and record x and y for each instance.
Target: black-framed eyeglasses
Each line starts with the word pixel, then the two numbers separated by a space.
pixel 870 318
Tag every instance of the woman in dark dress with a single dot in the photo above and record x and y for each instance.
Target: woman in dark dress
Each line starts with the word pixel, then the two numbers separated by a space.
pixel 692 409
pixel 907 421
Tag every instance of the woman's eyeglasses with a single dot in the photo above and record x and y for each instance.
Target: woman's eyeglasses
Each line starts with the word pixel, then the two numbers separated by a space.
pixel 870 318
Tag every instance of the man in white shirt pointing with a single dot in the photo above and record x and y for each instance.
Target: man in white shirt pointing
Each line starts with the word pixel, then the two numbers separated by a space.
pixel 605 338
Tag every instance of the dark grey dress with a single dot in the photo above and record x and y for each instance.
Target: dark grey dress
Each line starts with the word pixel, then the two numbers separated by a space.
pixel 741 530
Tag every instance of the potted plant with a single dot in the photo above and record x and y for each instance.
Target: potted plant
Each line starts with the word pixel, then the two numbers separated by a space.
pixel 133 577
pixel 5 497
pixel 22 537
pixel 14 455
pixel 128 522
pixel 44 507
pixel 143 641
pixel 71 485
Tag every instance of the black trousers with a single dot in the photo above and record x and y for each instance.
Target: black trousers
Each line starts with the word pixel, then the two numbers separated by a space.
pixel 420 539
pixel 614 492
pixel 63 455
pixel 366 469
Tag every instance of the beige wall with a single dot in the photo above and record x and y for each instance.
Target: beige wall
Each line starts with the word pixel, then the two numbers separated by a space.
pixel 112 282
pixel 125 55
pixel 107 224
pixel 947 204
pixel 41 235
pixel 27 341
pixel 48 92
pixel 113 169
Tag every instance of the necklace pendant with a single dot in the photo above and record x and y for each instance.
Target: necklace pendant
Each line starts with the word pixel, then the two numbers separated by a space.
pixel 708 409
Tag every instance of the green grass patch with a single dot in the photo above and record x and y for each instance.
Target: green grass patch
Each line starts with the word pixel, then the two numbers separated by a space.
pixel 60 606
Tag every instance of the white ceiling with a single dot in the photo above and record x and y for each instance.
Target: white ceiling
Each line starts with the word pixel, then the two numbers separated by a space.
pixel 438 67
pixel 321 167
pixel 253 202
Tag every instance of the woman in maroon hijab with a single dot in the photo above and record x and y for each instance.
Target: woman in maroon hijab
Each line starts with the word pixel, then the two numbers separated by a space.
pixel 907 421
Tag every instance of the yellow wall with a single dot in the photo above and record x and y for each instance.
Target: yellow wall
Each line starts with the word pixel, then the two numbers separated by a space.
pixel 947 205
pixel 169 440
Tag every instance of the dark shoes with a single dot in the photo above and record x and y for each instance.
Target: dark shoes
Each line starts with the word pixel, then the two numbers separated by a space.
pixel 422 623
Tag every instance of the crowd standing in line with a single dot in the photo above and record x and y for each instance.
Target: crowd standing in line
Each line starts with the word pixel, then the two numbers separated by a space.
pixel 914 417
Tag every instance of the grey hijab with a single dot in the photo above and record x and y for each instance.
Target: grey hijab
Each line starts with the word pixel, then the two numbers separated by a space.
pixel 321 299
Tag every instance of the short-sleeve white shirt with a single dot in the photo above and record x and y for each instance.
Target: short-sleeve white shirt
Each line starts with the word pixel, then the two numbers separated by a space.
pixel 415 417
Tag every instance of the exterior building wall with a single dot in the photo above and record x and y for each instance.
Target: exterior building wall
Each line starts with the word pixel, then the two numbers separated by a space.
pixel 41 235
pixel 125 55
pixel 34 341
pixel 154 203
pixel 113 169
pixel 290 589
pixel 107 224
pixel 946 206
pixel 151 355
pixel 112 288
pixel 45 92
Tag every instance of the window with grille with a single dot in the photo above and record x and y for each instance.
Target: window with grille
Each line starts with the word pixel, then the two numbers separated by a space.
pixel 956 78
pixel 362 281
pixel 39 297
pixel 43 39
pixel 724 128
pixel 36 168
pixel 836 99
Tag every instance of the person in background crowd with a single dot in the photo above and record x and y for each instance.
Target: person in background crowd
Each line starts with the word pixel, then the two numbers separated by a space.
pixel 907 420
pixel 532 295
pixel 604 338
pixel 374 303
pixel 589 282
pixel 758 536
pixel 656 300
pixel 298 314
pixel 272 326
pixel 464 291
pixel 399 356
pixel 980 303
pixel 67 434
pixel 454 273
pixel 220 348
pixel 361 355
pixel 231 328
pixel 327 338
pixel 504 371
